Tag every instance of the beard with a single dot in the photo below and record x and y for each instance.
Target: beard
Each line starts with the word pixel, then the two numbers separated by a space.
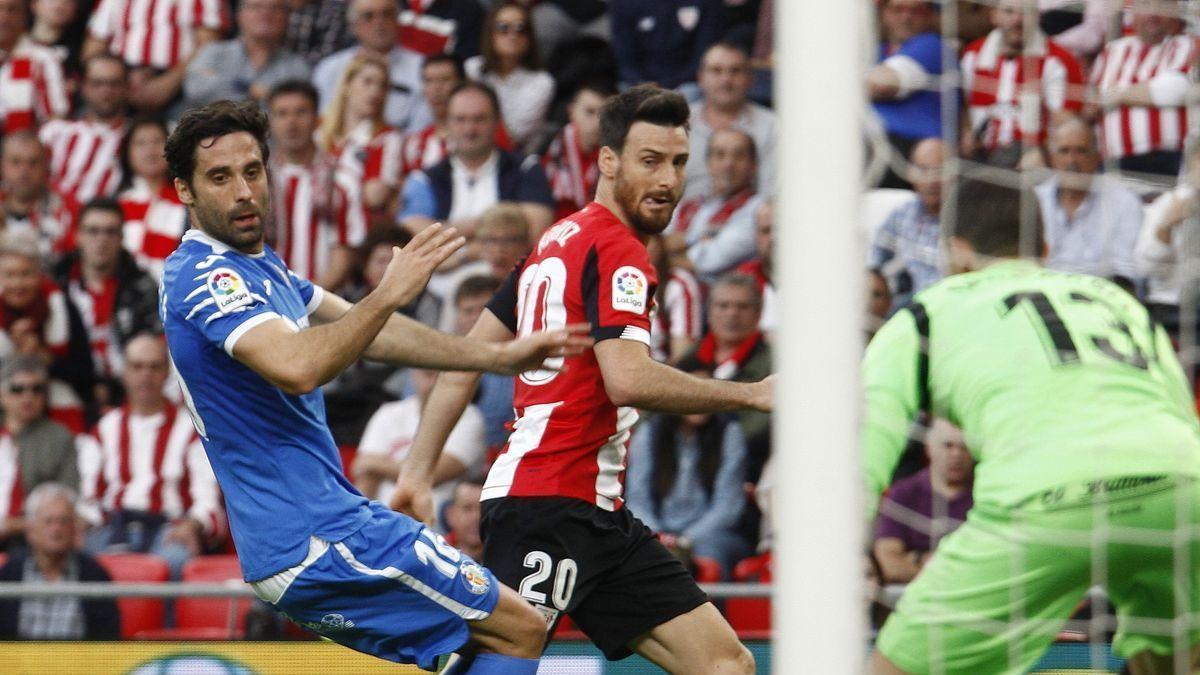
pixel 649 221
pixel 221 226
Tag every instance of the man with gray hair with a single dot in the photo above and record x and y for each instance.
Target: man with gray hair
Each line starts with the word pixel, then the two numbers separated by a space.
pixel 50 559
pixel 1092 221
pixel 375 24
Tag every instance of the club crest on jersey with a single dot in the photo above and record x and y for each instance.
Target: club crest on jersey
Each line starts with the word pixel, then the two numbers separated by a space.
pixel 629 289
pixel 474 578
pixel 228 289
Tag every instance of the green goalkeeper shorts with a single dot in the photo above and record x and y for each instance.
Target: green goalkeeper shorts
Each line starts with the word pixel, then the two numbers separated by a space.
pixel 1000 588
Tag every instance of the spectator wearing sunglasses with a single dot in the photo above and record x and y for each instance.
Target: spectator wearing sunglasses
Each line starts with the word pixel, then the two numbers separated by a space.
pixel 43 449
pixel 510 65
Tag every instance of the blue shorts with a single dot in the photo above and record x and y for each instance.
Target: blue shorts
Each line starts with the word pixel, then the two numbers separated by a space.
pixel 393 589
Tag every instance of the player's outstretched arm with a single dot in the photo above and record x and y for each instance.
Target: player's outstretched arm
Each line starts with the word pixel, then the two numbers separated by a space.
pixel 300 361
pixel 632 378
pixel 445 404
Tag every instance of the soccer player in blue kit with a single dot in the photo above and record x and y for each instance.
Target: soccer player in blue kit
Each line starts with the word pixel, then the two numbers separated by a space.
pixel 252 342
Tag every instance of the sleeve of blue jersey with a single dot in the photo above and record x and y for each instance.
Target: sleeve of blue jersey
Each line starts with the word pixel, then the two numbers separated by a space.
pixel 222 300
pixel 310 293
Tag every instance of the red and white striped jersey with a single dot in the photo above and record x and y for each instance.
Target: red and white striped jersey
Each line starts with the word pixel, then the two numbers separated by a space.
pixel 309 212
pixel 364 156
pixel 569 439
pixel 681 314
pixel 84 157
pixel 1136 130
pixel 423 149
pixel 52 222
pixel 12 493
pixel 154 224
pixel 572 172
pixel 152 463
pixel 32 87
pixel 1010 98
pixel 155 33
pixel 96 307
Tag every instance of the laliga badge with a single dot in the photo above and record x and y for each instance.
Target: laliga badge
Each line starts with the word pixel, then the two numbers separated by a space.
pixel 629 290
pixel 228 290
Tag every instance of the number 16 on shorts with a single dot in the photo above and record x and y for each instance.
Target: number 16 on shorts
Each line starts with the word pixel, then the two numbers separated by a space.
pixel 534 586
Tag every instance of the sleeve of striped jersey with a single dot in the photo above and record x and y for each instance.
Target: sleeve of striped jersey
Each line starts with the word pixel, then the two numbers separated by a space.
pixel 202 301
pixel 682 300
pixel 91 471
pixel 1062 83
pixel 100 26
pixel 57 331
pixel 212 15
pixel 52 90
pixel 618 290
pixel 504 303
pixel 202 487
pixel 890 380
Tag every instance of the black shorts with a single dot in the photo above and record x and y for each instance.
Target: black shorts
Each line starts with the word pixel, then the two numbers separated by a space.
pixel 603 568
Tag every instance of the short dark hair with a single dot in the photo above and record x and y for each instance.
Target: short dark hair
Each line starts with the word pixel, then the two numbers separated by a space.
pixel 643 103
pixel 214 120
pixel 989 217
pixel 472 85
pixel 383 234
pixel 602 89
pixel 102 204
pixel 444 57
pixel 478 284
pixel 301 87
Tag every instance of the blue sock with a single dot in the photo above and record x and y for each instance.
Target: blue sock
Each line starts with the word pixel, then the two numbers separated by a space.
pixel 498 664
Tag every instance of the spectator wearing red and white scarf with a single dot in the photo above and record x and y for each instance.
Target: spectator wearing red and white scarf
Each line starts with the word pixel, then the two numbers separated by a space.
pixel 309 209
pixel 432 27
pixel 718 228
pixel 35 322
pixel 146 483
pixel 113 297
pixel 32 86
pixel 1142 81
pixel 27 202
pixel 1014 83
pixel 83 152
pixel 155 220
pixel 367 150
pixel 572 160
pixel 156 39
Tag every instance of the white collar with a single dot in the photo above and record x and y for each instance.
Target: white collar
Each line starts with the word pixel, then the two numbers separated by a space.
pixel 486 169
pixel 989 53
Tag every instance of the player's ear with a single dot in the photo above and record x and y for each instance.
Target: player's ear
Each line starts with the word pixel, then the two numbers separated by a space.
pixel 184 192
pixel 609 162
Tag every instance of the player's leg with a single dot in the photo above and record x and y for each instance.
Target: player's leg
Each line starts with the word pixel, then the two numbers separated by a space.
pixel 698 641
pixel 514 628
pixel 992 599
pixel 1154 581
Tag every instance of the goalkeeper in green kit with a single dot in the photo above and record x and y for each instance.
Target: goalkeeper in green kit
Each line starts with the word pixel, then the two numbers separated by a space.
pixel 1088 451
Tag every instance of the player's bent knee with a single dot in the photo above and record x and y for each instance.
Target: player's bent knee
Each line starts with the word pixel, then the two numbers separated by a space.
pixel 515 628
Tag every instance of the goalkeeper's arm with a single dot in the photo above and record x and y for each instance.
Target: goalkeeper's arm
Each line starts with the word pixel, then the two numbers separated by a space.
pixel 891 381
pixel 445 404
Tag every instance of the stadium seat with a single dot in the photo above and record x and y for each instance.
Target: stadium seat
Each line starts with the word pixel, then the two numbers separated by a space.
pixel 137 614
pixel 708 571
pixel 207 618
pixel 3 559
pixel 751 617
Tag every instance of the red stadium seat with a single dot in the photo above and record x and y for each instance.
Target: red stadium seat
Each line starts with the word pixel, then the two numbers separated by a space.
pixel 751 617
pixel 137 614
pixel 207 618
pixel 708 571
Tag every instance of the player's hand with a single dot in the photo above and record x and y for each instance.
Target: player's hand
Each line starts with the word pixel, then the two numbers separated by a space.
pixel 763 395
pixel 414 499
pixel 411 266
pixel 531 351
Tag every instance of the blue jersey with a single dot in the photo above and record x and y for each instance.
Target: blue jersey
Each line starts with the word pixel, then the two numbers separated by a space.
pixel 273 455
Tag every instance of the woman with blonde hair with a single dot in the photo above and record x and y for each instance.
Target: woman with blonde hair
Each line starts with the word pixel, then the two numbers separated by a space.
pixel 367 150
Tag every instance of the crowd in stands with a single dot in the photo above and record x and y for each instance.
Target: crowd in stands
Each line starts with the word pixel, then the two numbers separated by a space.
pixel 385 115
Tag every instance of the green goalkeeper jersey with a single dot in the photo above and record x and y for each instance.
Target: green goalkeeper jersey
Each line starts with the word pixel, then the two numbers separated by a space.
pixel 1053 377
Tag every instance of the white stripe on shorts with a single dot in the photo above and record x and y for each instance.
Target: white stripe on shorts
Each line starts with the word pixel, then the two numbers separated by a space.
pixel 416 584
pixel 272 588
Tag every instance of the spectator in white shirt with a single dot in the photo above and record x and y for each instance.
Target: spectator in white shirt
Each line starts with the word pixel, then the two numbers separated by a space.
pixel 391 432
pixel 1092 220
pixel 509 64
pixel 1169 230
